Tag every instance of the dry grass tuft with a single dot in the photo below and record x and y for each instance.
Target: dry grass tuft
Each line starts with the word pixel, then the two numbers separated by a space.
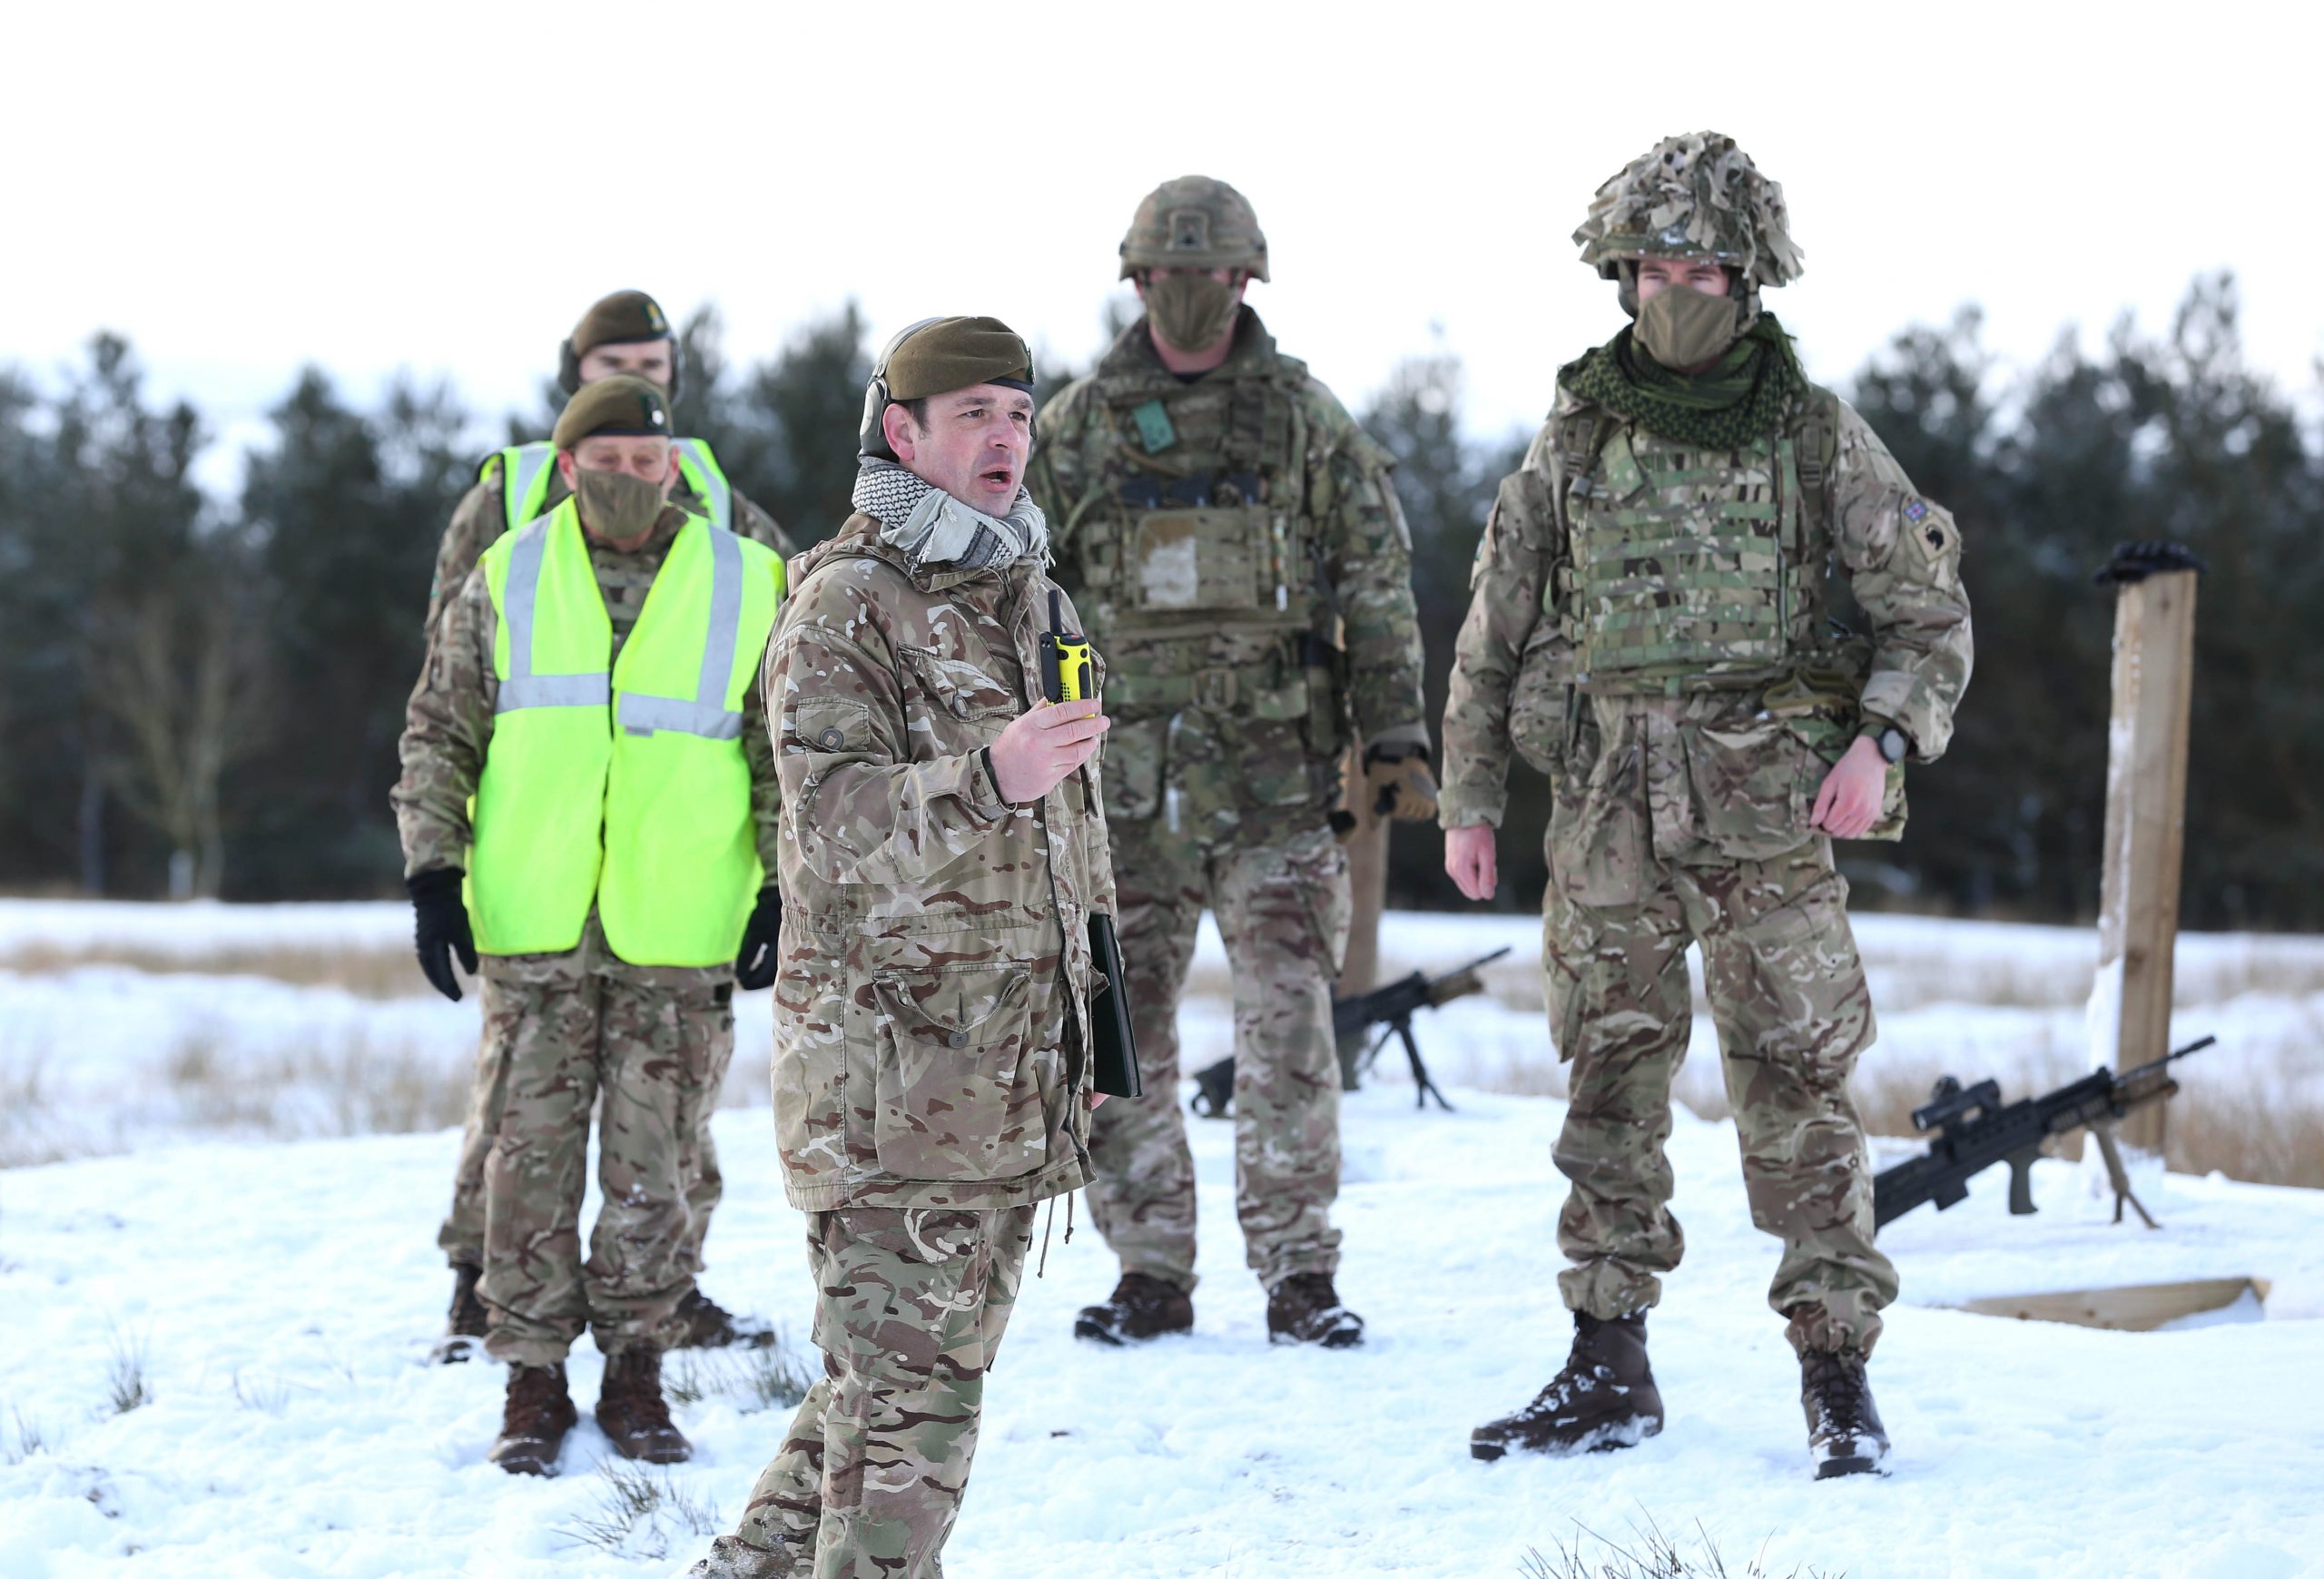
pixel 1652 1554
pixel 367 972
pixel 639 1514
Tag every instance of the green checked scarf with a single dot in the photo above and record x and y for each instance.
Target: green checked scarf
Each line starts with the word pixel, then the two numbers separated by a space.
pixel 1744 397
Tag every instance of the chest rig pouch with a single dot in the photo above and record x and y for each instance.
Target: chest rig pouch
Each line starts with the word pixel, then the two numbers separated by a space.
pixel 1685 565
pixel 1205 524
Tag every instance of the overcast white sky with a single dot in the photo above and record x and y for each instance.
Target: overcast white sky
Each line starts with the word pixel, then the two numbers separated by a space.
pixel 241 188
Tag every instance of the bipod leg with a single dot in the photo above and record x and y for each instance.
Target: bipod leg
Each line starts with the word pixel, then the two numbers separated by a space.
pixel 2118 1175
pixel 1424 1087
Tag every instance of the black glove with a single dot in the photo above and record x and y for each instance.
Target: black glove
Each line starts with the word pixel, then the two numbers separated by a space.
pixel 755 966
pixel 441 930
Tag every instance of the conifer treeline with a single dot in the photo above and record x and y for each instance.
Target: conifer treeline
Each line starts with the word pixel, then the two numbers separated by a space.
pixel 202 695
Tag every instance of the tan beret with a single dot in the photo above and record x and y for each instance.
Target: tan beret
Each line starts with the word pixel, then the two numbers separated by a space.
pixel 955 353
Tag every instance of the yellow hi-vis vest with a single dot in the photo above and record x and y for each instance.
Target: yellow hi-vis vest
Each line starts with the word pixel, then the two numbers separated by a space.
pixel 620 785
pixel 526 470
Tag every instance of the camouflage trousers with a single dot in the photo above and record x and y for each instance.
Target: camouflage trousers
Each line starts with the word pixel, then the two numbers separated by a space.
pixel 461 1238
pixel 640 1045
pixel 911 1310
pixel 1787 994
pixel 1284 912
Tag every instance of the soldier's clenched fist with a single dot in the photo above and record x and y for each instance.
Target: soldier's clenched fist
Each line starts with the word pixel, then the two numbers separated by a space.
pixel 1037 749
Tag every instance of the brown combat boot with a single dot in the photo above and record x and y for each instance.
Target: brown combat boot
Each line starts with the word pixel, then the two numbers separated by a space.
pixel 1138 1309
pixel 1305 1309
pixel 701 1322
pixel 1844 1436
pixel 464 1332
pixel 1604 1398
pixel 534 1420
pixel 631 1412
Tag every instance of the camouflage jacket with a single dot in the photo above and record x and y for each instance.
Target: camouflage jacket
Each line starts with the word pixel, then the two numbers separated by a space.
pixel 1713 773
pixel 482 515
pixel 1240 664
pixel 930 1017
pixel 447 724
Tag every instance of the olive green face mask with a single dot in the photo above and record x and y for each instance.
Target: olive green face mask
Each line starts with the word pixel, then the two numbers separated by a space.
pixel 1190 311
pixel 615 504
pixel 1681 328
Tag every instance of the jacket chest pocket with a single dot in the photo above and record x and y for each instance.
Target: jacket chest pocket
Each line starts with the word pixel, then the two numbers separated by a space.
pixel 958 1091
pixel 953 704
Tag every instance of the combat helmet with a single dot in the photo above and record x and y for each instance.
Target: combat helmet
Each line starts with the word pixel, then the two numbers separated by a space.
pixel 1195 223
pixel 1695 196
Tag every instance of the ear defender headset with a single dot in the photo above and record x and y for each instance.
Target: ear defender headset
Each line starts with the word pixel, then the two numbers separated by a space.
pixel 872 438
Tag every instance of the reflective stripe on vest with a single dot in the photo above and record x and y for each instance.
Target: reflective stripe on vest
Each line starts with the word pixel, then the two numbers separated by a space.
pixel 621 784
pixel 699 467
pixel 526 469
pixel 524 473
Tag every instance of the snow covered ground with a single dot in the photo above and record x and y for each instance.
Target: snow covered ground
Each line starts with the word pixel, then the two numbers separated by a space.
pixel 283 1297
pixel 282 1287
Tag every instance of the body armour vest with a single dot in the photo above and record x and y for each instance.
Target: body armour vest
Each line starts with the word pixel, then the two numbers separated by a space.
pixel 526 470
pixel 1690 569
pixel 1198 521
pixel 621 784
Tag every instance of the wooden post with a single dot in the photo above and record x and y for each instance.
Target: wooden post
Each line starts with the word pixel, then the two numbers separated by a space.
pixel 2146 804
pixel 1367 872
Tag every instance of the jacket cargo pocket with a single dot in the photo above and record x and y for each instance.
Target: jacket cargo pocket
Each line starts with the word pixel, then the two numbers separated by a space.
pixel 1539 701
pixel 956 704
pixel 1827 740
pixel 955 1093
pixel 1755 783
pixel 1269 736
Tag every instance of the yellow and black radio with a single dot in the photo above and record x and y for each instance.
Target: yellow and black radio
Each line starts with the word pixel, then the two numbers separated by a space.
pixel 1069 674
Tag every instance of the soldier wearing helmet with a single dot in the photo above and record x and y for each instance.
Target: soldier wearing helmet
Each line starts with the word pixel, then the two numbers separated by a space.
pixel 1241 559
pixel 1651 627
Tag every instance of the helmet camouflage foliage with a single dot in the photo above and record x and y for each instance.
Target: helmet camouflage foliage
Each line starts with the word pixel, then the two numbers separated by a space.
pixel 1195 223
pixel 1696 196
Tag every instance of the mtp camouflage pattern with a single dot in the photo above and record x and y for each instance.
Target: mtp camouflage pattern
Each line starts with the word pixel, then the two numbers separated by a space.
pixel 930 1014
pixel 562 1033
pixel 1692 196
pixel 910 1308
pixel 1244 567
pixel 1681 807
pixel 1194 221
pixel 1283 910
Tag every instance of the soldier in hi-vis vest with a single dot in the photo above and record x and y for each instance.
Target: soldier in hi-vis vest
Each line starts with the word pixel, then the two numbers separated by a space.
pixel 589 807
pixel 1649 624
pixel 626 333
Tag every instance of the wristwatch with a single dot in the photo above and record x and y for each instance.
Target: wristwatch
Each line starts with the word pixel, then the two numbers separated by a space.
pixel 1887 738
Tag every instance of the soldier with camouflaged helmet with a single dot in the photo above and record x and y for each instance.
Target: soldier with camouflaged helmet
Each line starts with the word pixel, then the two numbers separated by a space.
pixel 1650 626
pixel 1244 567
pixel 944 850
pixel 623 334
pixel 589 811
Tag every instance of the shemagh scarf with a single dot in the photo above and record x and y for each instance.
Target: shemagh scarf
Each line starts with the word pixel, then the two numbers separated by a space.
pixel 932 527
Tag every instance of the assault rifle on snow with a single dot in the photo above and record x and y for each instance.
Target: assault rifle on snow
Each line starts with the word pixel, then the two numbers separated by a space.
pixel 1391 1009
pixel 1975 1129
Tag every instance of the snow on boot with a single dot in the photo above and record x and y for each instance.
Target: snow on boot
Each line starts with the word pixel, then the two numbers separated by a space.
pixel 701 1322
pixel 1138 1309
pixel 1305 1309
pixel 463 1338
pixel 534 1420
pixel 1844 1436
pixel 631 1412
pixel 1604 1398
